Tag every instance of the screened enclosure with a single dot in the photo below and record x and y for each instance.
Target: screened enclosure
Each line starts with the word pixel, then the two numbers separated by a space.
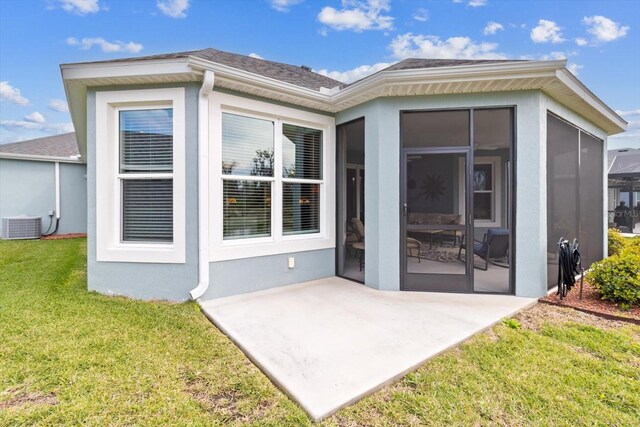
pixel 575 207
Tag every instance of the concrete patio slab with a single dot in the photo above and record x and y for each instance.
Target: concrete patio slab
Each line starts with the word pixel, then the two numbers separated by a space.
pixel 330 342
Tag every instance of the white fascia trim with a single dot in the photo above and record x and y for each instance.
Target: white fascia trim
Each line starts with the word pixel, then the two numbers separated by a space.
pixel 224 71
pixel 519 69
pixel 125 69
pixel 577 87
pixel 39 158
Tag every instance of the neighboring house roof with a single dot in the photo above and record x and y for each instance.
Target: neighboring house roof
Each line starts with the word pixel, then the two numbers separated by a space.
pixel 624 162
pixel 300 86
pixel 62 147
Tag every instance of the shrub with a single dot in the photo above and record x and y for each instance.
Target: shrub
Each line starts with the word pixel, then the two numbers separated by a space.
pixel 617 278
pixel 616 242
pixel 633 245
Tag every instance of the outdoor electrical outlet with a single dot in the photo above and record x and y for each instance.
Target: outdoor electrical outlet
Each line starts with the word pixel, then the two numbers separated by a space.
pixel 51 213
pixel 292 262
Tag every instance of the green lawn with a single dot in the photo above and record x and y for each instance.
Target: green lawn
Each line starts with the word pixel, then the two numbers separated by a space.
pixel 68 356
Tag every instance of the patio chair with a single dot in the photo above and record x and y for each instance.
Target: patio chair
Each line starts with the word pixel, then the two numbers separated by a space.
pixel 494 246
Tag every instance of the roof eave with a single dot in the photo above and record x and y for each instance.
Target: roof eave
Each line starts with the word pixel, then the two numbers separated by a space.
pixel 39 158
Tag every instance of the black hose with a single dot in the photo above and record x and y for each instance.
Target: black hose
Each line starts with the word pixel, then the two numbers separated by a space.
pixel 569 265
pixel 55 230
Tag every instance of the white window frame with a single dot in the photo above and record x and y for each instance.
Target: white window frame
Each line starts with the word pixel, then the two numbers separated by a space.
pixel 109 244
pixel 277 243
pixel 495 162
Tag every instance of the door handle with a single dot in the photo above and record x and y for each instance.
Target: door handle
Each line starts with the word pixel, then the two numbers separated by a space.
pixel 405 209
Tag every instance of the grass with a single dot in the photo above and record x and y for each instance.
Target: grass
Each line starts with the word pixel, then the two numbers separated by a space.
pixel 68 356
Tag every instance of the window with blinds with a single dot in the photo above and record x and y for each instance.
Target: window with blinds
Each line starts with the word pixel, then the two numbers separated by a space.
pixel 302 175
pixel 250 152
pixel 301 152
pixel 301 208
pixel 146 175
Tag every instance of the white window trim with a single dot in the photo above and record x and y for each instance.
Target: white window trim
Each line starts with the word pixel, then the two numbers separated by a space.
pixel 495 162
pixel 109 246
pixel 221 249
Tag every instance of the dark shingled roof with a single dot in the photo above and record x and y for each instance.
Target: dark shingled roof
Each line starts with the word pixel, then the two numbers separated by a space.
pixel 64 145
pixel 293 74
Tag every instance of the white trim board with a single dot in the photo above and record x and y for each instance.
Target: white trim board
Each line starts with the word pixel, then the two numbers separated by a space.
pixel 108 204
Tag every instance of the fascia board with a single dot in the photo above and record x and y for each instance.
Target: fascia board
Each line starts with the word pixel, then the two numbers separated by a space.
pixel 125 69
pixel 39 158
pixel 589 97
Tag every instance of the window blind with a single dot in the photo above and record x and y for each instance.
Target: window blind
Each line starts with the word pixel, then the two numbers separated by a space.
pixel 147 210
pixel 247 209
pixel 146 141
pixel 247 146
pixel 301 208
pixel 302 152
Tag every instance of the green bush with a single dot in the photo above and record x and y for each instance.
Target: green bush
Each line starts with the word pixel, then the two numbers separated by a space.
pixel 633 245
pixel 616 242
pixel 617 278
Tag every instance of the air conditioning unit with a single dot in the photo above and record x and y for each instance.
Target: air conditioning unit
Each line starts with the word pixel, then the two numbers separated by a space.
pixel 21 227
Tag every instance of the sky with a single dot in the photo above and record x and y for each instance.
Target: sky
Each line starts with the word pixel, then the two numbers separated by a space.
pixel 345 39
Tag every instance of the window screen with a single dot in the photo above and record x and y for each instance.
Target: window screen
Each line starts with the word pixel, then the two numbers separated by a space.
pixel 301 210
pixel 247 146
pixel 147 210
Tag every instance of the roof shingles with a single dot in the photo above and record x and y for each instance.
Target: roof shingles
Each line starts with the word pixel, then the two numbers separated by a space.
pixel 64 145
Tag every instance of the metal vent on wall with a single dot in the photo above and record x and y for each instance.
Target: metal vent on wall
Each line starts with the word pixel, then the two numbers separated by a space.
pixel 21 227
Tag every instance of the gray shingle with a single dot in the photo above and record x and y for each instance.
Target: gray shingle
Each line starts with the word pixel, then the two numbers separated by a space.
pixel 293 74
pixel 64 145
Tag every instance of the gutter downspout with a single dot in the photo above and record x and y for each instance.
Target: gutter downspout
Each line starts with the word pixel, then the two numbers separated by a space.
pixel 203 185
pixel 57 183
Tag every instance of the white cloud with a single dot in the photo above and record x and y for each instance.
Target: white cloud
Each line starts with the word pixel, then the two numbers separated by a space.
pixel 492 28
pixel 472 3
pixel 547 32
pixel 581 41
pixel 34 117
pixel 255 55
pixel 173 8
pixel 574 68
pixel 59 105
pixel 44 127
pixel 106 46
pixel 428 46
pixel 628 112
pixel 283 5
pixel 80 7
pixel 355 73
pixel 421 15
pixel 358 16
pixel 12 94
pixel 604 29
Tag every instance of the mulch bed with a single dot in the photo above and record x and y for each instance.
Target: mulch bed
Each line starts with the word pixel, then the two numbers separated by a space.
pixel 64 236
pixel 592 304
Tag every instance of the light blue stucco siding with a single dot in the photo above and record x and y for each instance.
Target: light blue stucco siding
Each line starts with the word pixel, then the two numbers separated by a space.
pixel 382 186
pixel 258 273
pixel 147 280
pixel 28 188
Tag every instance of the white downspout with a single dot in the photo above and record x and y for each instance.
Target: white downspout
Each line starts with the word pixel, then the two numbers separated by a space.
pixel 57 183
pixel 203 185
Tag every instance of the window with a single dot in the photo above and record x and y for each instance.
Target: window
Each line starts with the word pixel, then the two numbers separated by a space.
pixel 483 192
pixel 146 175
pixel 302 177
pixel 140 182
pixel 270 187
